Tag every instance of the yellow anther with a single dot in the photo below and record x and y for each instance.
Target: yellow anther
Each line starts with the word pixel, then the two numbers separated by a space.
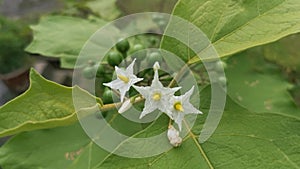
pixel 156 96
pixel 123 78
pixel 178 106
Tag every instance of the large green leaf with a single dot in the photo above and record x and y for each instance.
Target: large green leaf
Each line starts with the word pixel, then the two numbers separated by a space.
pixel 62 37
pixel 243 140
pixel 44 105
pixel 258 85
pixel 233 26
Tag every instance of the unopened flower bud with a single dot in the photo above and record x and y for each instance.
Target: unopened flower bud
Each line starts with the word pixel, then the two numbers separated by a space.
pixel 125 106
pixel 173 136
pixel 156 66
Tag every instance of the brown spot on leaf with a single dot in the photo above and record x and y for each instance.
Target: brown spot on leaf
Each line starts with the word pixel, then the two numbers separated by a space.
pixel 268 104
pixel 73 154
pixel 252 84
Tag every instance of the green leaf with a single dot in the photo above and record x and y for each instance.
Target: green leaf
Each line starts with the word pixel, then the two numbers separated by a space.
pixel 44 105
pixel 62 37
pixel 233 26
pixel 243 140
pixel 137 6
pixel 258 85
pixel 254 140
pixel 106 9
pixel 54 148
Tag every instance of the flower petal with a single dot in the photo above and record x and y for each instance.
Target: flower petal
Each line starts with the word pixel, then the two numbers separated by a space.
pixel 143 90
pixel 120 71
pixel 178 120
pixel 171 91
pixel 123 90
pixel 129 69
pixel 187 95
pixel 148 108
pixel 114 84
pixel 135 80
pixel 190 109
pixel 155 82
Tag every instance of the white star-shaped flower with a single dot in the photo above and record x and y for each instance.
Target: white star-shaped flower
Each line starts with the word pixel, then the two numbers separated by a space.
pixel 180 106
pixel 156 96
pixel 125 79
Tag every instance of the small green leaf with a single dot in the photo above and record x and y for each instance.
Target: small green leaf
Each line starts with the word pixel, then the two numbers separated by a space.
pixel 44 105
pixel 62 37
pixel 233 26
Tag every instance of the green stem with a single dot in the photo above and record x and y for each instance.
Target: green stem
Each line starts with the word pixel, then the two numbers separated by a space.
pixel 198 145
pixel 106 107
pixel 124 57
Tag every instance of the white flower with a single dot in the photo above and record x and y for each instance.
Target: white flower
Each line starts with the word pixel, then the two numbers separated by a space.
pixel 173 136
pixel 156 96
pixel 180 106
pixel 125 106
pixel 125 79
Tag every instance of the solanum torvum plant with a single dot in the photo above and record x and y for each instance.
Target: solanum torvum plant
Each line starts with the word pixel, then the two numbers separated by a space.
pixel 256 44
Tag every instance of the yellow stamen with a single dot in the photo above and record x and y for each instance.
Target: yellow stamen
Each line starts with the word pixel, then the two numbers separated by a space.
pixel 156 96
pixel 178 106
pixel 123 78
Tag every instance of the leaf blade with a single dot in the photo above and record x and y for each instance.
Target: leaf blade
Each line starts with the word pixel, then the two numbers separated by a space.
pixel 233 26
pixel 44 105
pixel 52 39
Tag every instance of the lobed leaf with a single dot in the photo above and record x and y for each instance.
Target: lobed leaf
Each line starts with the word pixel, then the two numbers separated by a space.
pixel 44 105
pixel 62 37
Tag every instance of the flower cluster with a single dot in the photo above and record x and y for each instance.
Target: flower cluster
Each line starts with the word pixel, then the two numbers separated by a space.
pixel 156 97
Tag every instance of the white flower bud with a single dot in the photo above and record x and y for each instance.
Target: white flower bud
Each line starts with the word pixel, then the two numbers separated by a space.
pixel 176 141
pixel 125 106
pixel 156 66
pixel 173 136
